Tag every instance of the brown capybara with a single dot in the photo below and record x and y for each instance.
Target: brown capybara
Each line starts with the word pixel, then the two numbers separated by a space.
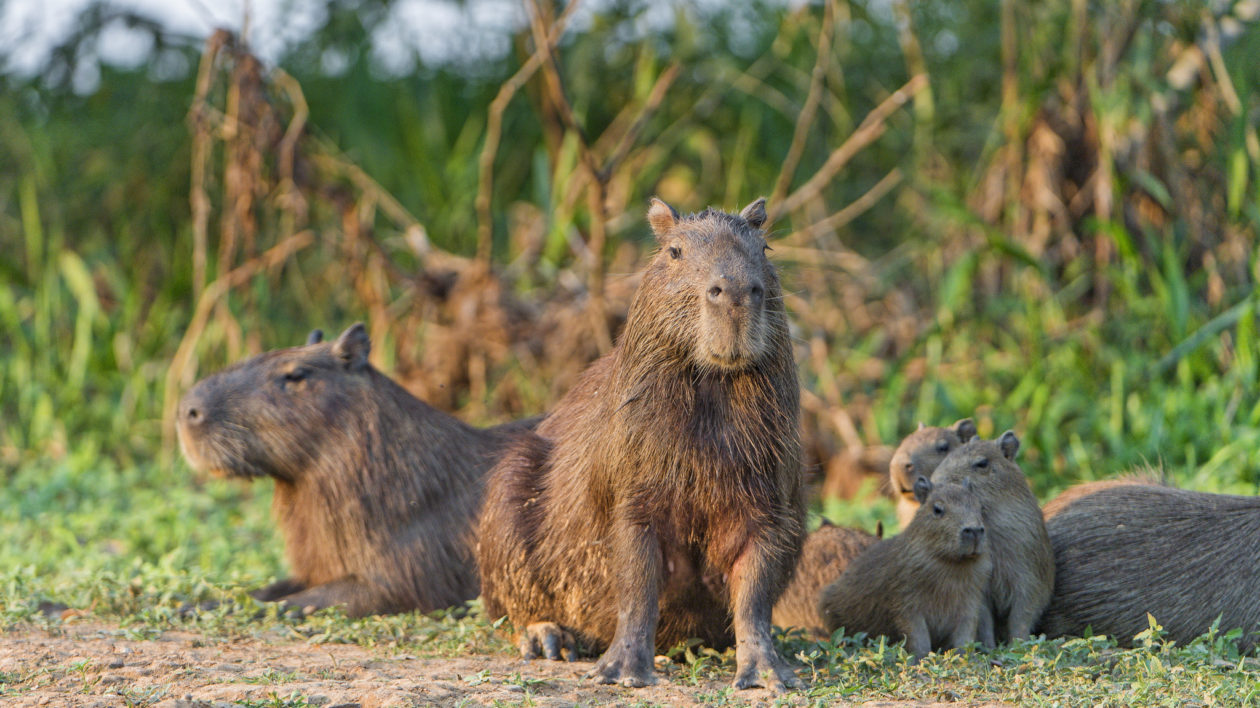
pixel 827 551
pixel 376 493
pixel 660 499
pixel 926 584
pixel 1071 494
pixel 847 472
pixel 917 456
pixel 1023 563
pixel 1184 557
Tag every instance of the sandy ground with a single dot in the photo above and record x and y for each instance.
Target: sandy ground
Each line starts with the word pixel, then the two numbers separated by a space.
pixel 91 664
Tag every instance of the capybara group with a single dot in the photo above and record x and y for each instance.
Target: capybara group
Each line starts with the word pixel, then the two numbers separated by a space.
pixel 926 584
pixel 1023 562
pixel 376 493
pixel 660 499
pixel 1185 557
pixel 917 456
pixel 824 556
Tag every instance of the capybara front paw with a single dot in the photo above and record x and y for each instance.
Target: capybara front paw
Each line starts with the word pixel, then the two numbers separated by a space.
pixel 764 668
pixel 624 665
pixel 547 640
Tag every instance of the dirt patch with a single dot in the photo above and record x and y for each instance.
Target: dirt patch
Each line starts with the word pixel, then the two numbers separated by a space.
pixel 92 664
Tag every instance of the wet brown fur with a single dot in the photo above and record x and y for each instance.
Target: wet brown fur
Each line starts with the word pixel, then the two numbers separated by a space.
pixel 1131 549
pixel 918 455
pixel 926 584
pixel 825 555
pixel 376 493
pixel 666 482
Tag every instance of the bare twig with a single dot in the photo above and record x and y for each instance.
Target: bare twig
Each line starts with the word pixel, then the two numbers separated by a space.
pixel 849 212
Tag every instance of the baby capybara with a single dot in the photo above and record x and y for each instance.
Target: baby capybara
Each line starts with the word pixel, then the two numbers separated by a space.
pixel 824 556
pixel 1184 557
pixel 376 493
pixel 926 584
pixel 660 499
pixel 1023 563
pixel 917 456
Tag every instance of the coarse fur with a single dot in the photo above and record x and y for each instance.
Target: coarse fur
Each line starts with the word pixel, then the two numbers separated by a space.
pixel 376 493
pixel 1131 549
pixel 660 499
pixel 1053 507
pixel 917 456
pixel 1023 562
pixel 926 584
pixel 827 552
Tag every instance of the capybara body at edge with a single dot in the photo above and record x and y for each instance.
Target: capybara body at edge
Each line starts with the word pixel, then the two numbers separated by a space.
pixel 1053 507
pixel 926 584
pixel 1184 557
pixel 1023 562
pixel 660 499
pixel 918 456
pixel 827 552
pixel 376 492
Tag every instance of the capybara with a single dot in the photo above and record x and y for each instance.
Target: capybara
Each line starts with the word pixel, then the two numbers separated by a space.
pixel 917 456
pixel 376 493
pixel 827 551
pixel 660 499
pixel 926 584
pixel 1023 563
pixel 1184 557
pixel 1071 494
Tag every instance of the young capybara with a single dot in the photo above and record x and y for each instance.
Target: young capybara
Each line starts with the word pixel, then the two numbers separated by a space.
pixel 1071 494
pixel 660 499
pixel 926 584
pixel 376 493
pixel 1184 557
pixel 917 456
pixel 824 556
pixel 1023 563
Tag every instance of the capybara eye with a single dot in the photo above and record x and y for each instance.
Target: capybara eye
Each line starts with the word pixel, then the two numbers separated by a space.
pixel 298 374
pixel 938 510
pixel 942 446
pixel 982 462
pixel 675 252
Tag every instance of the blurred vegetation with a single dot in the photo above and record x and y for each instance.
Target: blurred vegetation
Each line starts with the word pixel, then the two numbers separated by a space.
pixel 1042 215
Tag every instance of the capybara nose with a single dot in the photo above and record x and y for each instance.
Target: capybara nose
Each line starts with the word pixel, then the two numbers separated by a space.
pixel 192 410
pixel 973 534
pixel 725 291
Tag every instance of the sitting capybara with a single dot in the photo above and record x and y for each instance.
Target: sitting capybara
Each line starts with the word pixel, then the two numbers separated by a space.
pixel 1071 494
pixel 660 499
pixel 376 493
pixel 824 556
pixel 1023 563
pixel 1131 549
pixel 926 584
pixel 917 456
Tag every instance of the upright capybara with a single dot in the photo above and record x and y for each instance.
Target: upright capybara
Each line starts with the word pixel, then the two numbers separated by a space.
pixel 660 499
pixel 826 553
pixel 1023 563
pixel 1071 494
pixel 926 584
pixel 917 456
pixel 1184 557
pixel 376 493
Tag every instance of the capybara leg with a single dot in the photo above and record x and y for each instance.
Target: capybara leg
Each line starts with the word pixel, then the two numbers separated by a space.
pixel 547 640
pixel 354 596
pixel 918 639
pixel 757 662
pixel 1021 620
pixel 965 632
pixel 628 660
pixel 277 590
pixel 984 627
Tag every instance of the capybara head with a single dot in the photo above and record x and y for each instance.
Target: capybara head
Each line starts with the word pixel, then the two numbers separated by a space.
pixel 920 453
pixel 271 415
pixel 950 522
pixel 712 288
pixel 986 463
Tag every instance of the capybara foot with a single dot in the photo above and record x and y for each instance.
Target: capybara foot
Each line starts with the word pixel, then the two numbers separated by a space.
pixel 547 640
pixel 624 664
pixel 763 667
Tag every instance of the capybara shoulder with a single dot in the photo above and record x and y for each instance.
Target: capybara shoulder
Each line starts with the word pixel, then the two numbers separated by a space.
pixel 376 493
pixel 1071 494
pixel 826 553
pixel 918 455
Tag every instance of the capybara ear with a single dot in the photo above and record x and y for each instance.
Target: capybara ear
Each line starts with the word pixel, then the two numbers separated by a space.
pixel 922 425
pixel 1009 444
pixel 966 429
pixel 663 218
pixel 922 488
pixel 755 213
pixel 353 346
pixel 315 337
pixel 879 529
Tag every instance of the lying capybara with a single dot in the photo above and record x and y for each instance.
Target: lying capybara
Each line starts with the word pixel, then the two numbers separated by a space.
pixel 824 556
pixel 926 584
pixel 917 456
pixel 1184 557
pixel 376 493
pixel 660 499
pixel 1023 563
pixel 1071 494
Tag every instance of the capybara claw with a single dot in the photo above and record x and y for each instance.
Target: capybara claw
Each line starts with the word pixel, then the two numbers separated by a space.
pixel 547 640
pixel 766 673
pixel 624 666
